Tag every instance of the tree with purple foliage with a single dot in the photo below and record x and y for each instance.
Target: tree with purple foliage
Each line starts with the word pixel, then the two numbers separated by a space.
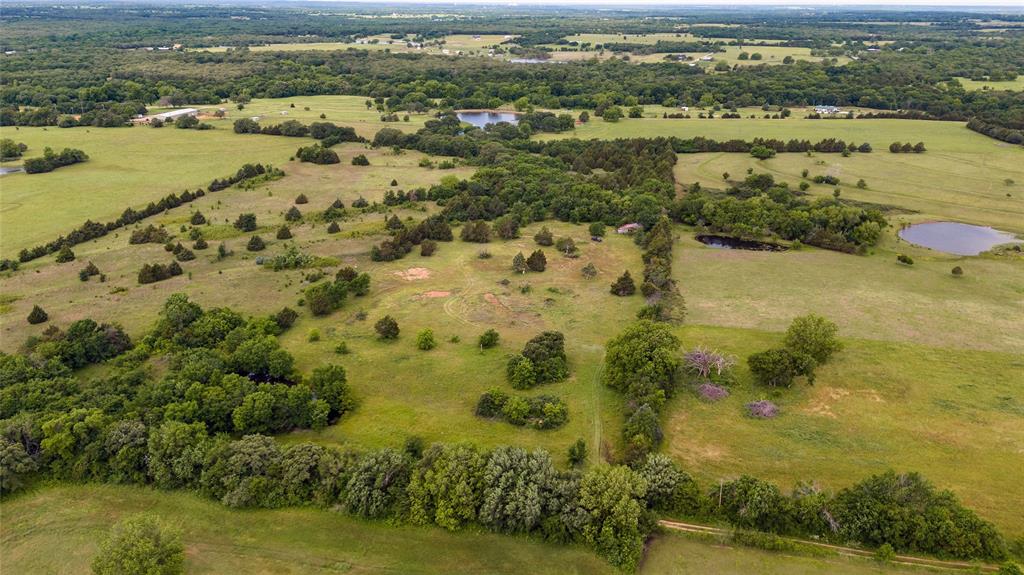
pixel 762 408
pixel 702 362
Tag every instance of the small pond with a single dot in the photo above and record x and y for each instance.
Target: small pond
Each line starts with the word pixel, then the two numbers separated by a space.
pixel 728 243
pixel 481 118
pixel 4 171
pixel 956 238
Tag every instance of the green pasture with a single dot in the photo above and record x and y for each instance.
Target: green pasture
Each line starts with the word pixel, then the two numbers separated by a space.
pixel 1015 84
pixel 455 42
pixel 56 529
pixel 964 176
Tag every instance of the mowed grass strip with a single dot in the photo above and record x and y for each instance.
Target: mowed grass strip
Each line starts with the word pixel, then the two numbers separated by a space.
pixel 57 529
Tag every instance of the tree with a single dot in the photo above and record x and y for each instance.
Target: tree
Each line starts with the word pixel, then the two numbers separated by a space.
pixel 537 262
pixel 284 233
pixel 919 147
pixel 624 286
pixel 301 199
pixel 519 264
pixel 589 271
pixel 905 259
pixel 255 244
pixel 293 214
pixel 376 484
pixel 813 335
pixel 636 112
pixel 425 340
pixel 958 272
pixel 140 544
pixel 37 315
pixel 614 501
pixel 197 219
pixel 333 228
pixel 507 227
pixel 762 152
pixel 612 114
pixel 544 237
pixel 427 248
pixel 488 339
pixel 584 117
pixel 65 254
pixel 644 350
pixel 360 160
pixel 386 328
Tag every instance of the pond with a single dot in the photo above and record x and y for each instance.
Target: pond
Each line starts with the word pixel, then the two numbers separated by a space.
pixel 956 238
pixel 729 243
pixel 481 118
pixel 4 171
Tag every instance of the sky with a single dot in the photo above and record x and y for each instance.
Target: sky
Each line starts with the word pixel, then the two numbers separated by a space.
pixel 1017 5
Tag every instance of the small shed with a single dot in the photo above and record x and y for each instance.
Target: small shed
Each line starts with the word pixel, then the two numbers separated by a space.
pixel 628 228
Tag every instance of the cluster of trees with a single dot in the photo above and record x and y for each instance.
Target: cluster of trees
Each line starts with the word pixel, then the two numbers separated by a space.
pixel 84 342
pixel 328 133
pixel 906 148
pixel 664 302
pixel 810 341
pixel 701 144
pixel 246 172
pixel 425 234
pixel 537 262
pixel 11 150
pixel 1009 135
pixel 91 230
pixel 539 412
pixel 324 297
pixel 542 361
pixel 641 363
pixel 317 154
pixel 149 235
pixel 759 206
pixel 151 273
pixel 52 160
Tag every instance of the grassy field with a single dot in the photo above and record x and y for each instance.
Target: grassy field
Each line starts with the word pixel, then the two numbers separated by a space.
pixel 455 42
pixel 137 165
pixel 1016 84
pixel 675 554
pixel 57 530
pixel 963 175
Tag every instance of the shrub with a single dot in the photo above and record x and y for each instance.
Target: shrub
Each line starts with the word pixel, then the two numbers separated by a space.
pixel 360 160
pixel 342 348
pixel 427 248
pixel 519 264
pixel 285 318
pixel 313 335
pixel 813 335
pixel 255 244
pixel 301 199
pixel 779 367
pixel 578 453
pixel 567 246
pixel 596 229
pixel 197 219
pixel 140 544
pixel 293 214
pixel 957 272
pixel 711 392
pixel 544 237
pixel 317 154
pixel 762 408
pixel 537 262
pixel 333 228
pixel 246 222
pixel 885 552
pixel 200 244
pixel 624 286
pixel 589 271
pixel 284 233
pixel 542 361
pixel 65 254
pixel 491 403
pixel 488 339
pixel 905 260
pixel 37 315
pixel 476 231
pixel 386 328
pixel 425 340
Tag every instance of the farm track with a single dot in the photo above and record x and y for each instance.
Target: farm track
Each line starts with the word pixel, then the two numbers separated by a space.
pixel 841 550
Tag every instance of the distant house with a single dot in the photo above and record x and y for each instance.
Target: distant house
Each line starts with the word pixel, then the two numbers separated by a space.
pixel 629 228
pixel 684 108
pixel 707 58
pixel 826 110
pixel 166 116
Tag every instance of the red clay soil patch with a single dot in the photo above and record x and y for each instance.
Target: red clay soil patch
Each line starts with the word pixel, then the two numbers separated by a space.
pixel 413 274
pixel 433 294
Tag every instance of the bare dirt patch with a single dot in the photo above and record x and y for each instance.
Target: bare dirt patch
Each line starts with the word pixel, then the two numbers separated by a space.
pixel 413 274
pixel 434 294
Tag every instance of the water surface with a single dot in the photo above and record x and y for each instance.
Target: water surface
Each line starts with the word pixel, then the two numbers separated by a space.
pixel 956 238
pixel 730 243
pixel 481 119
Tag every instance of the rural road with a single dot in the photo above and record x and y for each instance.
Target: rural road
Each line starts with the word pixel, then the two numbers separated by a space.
pixel 849 551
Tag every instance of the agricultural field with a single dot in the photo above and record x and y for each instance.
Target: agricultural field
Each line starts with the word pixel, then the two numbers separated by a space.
pixel 469 44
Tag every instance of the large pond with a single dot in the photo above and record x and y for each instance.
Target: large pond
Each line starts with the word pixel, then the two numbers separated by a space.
pixel 482 118
pixel 956 238
pixel 728 243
